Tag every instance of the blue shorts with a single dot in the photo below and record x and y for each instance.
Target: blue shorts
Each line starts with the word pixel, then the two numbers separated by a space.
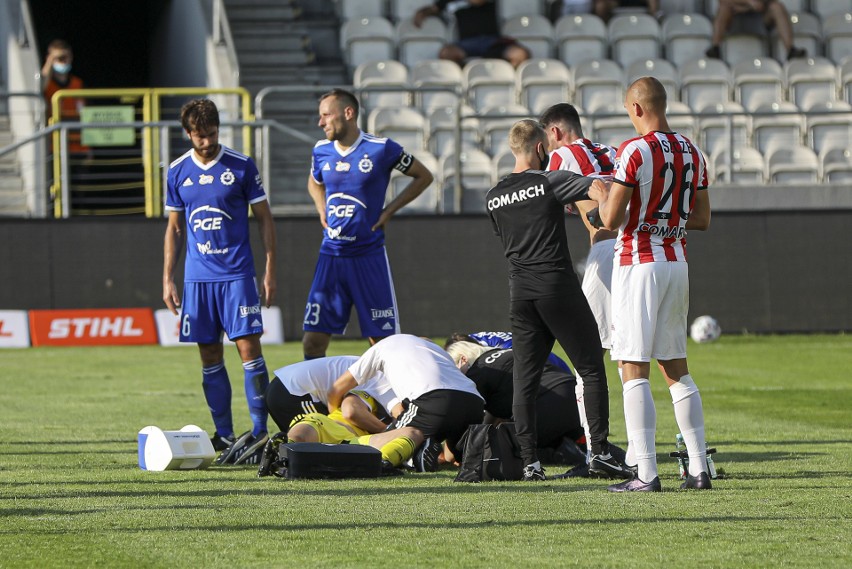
pixel 210 308
pixel 341 282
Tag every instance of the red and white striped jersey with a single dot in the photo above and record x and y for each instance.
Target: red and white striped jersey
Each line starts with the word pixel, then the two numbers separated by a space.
pixel 665 171
pixel 584 157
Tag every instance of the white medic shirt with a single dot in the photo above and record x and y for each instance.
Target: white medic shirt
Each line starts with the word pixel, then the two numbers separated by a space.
pixel 413 366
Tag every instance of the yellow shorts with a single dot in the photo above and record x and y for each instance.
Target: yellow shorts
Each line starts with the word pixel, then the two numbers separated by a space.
pixel 328 430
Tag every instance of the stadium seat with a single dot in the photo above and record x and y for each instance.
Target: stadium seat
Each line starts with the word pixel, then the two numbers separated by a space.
pixel 836 165
pixel 476 179
pixel 489 82
pixel 494 125
pixel 598 83
pixel 351 9
pixel 673 7
pixel 502 165
pixel 429 200
pixel 403 124
pixel 367 39
pixel 611 126
pixel 845 79
pixel 662 69
pixel 720 126
pixel 508 9
pixel 744 46
pixel 807 34
pixel 826 9
pixel 758 81
pixel 405 9
pixel 436 74
pixel 792 164
pixel 829 124
pixel 371 77
pixel 633 37
pixel 739 165
pixel 442 128
pixel 533 31
pixel 681 120
pixel 542 83
pixel 837 35
pixel 776 124
pixel 686 37
pixel 810 81
pixel 580 38
pixel 794 6
pixel 419 44
pixel 704 82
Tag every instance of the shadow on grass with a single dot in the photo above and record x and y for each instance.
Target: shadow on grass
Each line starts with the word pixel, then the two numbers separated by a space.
pixel 58 442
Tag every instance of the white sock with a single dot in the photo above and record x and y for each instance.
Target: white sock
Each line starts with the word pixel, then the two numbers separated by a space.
pixel 690 418
pixel 641 418
pixel 535 466
pixel 630 455
pixel 581 408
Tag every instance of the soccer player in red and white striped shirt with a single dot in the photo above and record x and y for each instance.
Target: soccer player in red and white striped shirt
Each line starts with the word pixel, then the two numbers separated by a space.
pixel 659 191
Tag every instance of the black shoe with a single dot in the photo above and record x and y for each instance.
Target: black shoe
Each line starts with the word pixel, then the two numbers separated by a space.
pixel 533 474
pixel 636 485
pixel 700 482
pixel 796 52
pixel 220 443
pixel 247 449
pixel 389 469
pixel 713 52
pixel 568 453
pixel 425 458
pixel 606 466
pixel 579 471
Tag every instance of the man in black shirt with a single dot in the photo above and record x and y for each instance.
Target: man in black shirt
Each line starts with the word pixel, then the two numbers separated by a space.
pixel 546 301
pixel 477 29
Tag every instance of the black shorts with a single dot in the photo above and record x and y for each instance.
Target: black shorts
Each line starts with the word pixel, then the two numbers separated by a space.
pixel 283 406
pixel 443 414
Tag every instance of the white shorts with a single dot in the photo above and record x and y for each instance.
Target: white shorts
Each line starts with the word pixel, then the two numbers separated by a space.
pixel 649 307
pixel 597 281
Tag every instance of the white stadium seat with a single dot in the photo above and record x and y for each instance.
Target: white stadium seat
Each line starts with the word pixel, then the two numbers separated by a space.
pixel 722 125
pixel 633 37
pixel 758 81
pixel 793 164
pixel 429 200
pixel 494 125
pixel 442 128
pixel 489 82
pixel 373 76
pixel 597 84
pixel 405 9
pixel 686 37
pixel 807 34
pixel 836 165
pixel 508 9
pixel 403 124
pixel 662 69
pixel 367 39
pixel 581 37
pixel 542 83
pixel 419 44
pixel 776 124
pixel 533 31
pixel 746 166
pixel 611 126
pixel 476 178
pixel 502 165
pixel 826 9
pixel 681 120
pixel 828 125
pixel 440 74
pixel 350 9
pixel 704 82
pixel 837 36
pixel 810 81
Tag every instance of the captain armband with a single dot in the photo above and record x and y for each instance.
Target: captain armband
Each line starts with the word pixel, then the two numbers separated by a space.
pixel 404 163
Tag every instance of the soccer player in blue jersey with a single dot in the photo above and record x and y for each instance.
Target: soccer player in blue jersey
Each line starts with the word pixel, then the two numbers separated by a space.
pixel 350 171
pixel 502 340
pixel 210 190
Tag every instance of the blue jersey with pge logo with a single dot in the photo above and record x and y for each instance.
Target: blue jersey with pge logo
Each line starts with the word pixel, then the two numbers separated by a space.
pixel 215 199
pixel 356 181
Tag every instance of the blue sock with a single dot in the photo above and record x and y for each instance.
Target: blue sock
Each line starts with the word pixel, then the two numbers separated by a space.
pixel 217 392
pixel 257 380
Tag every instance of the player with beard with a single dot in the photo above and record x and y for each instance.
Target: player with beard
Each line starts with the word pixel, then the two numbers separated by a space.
pixel 210 190
pixel 350 172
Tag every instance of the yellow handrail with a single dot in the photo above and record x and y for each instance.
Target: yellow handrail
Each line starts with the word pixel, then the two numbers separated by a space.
pixel 151 109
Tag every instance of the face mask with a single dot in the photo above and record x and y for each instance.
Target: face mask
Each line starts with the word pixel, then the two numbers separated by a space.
pixel 61 68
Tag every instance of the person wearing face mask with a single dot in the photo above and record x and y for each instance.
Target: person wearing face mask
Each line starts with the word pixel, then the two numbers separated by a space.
pixel 546 304
pixel 55 75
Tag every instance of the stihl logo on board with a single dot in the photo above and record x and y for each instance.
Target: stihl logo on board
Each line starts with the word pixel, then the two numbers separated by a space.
pixel 93 327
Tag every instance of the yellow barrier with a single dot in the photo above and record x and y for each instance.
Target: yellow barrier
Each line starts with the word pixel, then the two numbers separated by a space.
pixel 151 110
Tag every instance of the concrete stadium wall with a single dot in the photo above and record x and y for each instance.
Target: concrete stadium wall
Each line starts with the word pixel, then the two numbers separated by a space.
pixel 756 272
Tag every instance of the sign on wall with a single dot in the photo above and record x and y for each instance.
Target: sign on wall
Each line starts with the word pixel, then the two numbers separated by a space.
pixel 93 327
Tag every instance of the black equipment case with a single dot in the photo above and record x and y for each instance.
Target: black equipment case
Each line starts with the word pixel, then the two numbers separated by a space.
pixel 320 460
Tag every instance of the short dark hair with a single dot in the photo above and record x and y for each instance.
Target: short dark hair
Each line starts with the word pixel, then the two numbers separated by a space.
pixel 59 44
pixel 199 115
pixel 345 97
pixel 562 113
pixel 458 337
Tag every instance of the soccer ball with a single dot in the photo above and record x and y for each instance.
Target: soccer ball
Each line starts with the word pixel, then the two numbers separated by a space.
pixel 705 329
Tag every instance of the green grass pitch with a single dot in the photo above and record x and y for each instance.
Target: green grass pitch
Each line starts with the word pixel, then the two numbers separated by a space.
pixel 778 409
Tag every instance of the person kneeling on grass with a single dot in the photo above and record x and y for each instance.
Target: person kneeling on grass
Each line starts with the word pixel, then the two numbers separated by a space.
pixel 397 445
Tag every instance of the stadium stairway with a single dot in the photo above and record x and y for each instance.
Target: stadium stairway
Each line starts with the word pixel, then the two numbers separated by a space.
pixel 293 43
pixel 13 200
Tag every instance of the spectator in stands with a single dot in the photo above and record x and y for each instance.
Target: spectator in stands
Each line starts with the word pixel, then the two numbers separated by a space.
pixel 603 9
pixel 55 75
pixel 477 29
pixel 770 13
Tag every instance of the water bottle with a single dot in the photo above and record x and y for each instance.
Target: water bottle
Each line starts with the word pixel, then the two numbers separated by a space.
pixel 682 461
pixel 711 467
